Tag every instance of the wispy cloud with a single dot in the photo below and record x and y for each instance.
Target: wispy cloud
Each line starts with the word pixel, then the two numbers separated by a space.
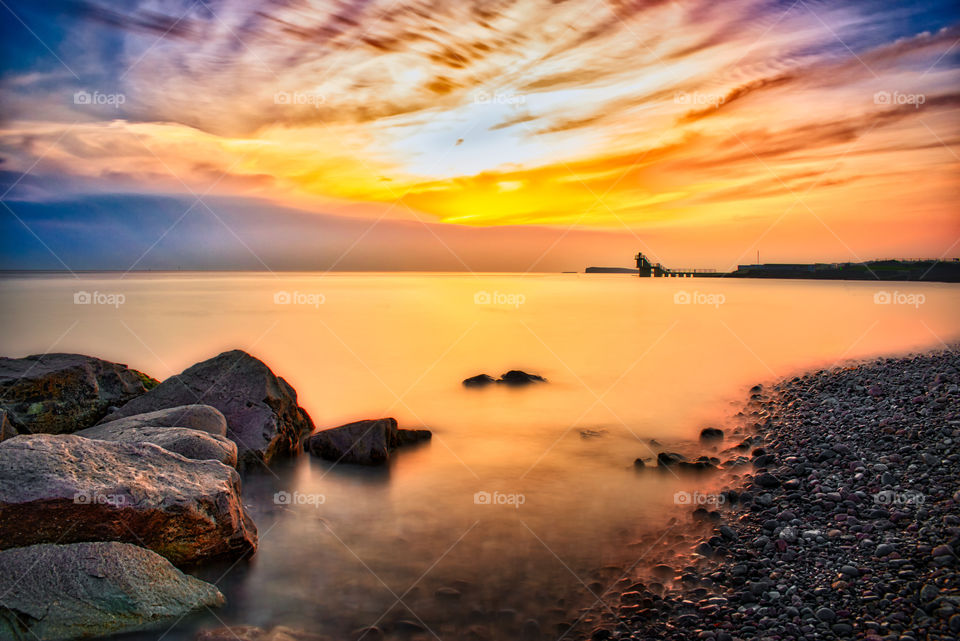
pixel 500 112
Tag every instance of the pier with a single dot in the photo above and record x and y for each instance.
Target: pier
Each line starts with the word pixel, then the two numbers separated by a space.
pixel 648 269
pixel 945 270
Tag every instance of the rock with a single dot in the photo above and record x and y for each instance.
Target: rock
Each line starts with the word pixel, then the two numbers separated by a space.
pixel 197 417
pixel 711 434
pixel 61 393
pixel 763 461
pixel 78 590
pixel 639 464
pixel 842 630
pixel 67 489
pixel 666 459
pixel 955 624
pixel 884 549
pixel 278 633
pixel 701 464
pixel 6 429
pixel 826 614
pixel 190 443
pixel 480 380
pixel 728 533
pixel 518 377
pixel 261 409
pixel 928 593
pixel 367 442
pixel 767 480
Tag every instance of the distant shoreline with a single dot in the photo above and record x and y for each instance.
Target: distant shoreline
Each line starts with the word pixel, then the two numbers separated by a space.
pixel 919 271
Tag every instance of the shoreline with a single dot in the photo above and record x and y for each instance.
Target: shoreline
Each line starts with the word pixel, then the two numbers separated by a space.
pixel 847 525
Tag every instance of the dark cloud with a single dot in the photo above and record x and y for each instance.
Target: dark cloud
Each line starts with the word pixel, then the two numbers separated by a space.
pixel 737 94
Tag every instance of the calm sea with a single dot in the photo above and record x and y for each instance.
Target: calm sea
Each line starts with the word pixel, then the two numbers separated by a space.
pixel 568 516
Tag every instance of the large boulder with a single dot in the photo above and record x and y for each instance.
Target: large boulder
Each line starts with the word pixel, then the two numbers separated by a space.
pixel 367 442
pixel 62 393
pixel 187 442
pixel 197 417
pixel 261 409
pixel 67 489
pixel 52 592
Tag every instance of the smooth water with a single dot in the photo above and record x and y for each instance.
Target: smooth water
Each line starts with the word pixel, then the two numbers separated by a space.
pixel 627 360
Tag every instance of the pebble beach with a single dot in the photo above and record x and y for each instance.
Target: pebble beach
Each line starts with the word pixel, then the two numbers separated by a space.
pixel 846 525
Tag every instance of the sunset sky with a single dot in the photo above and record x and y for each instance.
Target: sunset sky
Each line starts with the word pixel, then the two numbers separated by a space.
pixel 480 135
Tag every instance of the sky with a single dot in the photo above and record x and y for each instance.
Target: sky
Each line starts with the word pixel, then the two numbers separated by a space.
pixel 514 135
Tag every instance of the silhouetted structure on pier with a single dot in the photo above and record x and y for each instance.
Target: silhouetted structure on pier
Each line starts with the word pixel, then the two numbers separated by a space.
pixel 648 269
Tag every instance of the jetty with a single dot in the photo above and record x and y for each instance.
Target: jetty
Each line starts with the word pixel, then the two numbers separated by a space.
pixel 921 270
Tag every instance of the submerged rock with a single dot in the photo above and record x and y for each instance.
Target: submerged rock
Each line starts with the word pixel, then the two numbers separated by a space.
pixel 67 489
pixel 518 377
pixel 711 434
pixel 702 463
pixel 187 442
pixel 61 393
pixel 263 417
pixel 666 459
pixel 367 442
pixel 480 380
pixel 53 592
pixel 513 377
pixel 197 417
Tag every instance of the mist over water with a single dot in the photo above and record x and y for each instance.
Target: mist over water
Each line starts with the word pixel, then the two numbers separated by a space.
pixel 561 510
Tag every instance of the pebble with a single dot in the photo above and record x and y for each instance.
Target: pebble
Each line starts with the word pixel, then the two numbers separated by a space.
pixel 826 614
